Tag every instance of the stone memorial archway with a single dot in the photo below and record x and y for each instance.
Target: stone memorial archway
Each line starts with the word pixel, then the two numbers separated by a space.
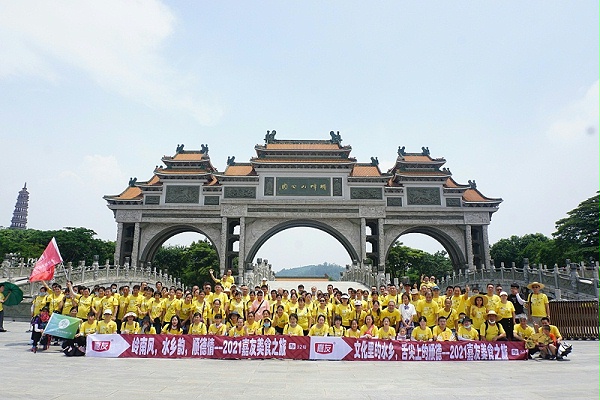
pixel 302 183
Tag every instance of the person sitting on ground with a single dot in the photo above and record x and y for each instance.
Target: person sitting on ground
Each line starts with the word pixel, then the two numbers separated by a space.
pixel 553 329
pixel 130 325
pixel 337 329
pixel 217 328
pixel 466 331
pixel 107 325
pixel 146 326
pixel 266 328
pixel 353 332
pixel 37 334
pixel 320 328
pixel 173 327
pixel 441 332
pixel 422 333
pixel 546 344
pixel 239 329
pixel 490 330
pixel 368 330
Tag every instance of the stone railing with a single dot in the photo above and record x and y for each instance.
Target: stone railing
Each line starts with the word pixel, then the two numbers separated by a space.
pixel 17 270
pixel 573 281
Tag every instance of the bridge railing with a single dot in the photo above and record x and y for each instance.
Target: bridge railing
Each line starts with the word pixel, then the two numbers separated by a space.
pixel 18 270
pixel 574 281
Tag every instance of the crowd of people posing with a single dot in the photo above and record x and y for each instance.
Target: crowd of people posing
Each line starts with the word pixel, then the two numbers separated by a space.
pixel 223 308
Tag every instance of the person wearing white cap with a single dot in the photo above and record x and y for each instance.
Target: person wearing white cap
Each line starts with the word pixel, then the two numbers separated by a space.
pixel 344 310
pixel 107 325
pixel 506 315
pixel 490 330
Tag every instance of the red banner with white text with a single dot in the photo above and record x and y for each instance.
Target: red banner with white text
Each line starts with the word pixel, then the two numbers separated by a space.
pixel 298 348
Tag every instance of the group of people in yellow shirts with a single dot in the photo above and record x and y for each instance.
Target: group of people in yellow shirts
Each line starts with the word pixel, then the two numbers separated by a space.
pixel 388 313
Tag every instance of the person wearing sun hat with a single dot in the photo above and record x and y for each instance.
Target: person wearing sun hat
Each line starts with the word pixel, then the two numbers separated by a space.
pixel 490 330
pixel 129 324
pixel 478 309
pixel 537 303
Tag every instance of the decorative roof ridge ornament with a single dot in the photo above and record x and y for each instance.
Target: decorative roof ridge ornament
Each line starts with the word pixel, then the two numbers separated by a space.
pixel 231 160
pixel 425 151
pixel 270 136
pixel 374 161
pixel 179 148
pixel 203 149
pixel 401 151
pixel 336 138
pixel 472 184
pixel 132 181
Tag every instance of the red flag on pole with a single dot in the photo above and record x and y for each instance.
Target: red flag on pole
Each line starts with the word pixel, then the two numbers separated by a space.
pixel 43 269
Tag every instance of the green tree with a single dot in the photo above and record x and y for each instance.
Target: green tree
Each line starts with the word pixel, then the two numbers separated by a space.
pixel 406 261
pixel 577 234
pixel 189 263
pixel 75 244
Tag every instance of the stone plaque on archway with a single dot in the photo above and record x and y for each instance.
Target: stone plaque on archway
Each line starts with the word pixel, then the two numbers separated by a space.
pixel 302 183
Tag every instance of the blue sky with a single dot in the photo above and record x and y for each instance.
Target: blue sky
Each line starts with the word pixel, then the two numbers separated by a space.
pixel 96 92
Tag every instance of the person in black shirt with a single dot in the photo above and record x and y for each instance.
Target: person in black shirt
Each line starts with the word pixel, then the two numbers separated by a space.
pixel 515 298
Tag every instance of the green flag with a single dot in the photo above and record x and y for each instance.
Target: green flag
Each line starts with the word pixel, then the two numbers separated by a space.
pixel 62 326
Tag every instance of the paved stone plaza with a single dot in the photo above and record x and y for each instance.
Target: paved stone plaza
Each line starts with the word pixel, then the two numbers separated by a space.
pixel 51 375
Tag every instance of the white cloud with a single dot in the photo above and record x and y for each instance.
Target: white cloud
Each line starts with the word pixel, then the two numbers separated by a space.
pixel 118 43
pixel 579 118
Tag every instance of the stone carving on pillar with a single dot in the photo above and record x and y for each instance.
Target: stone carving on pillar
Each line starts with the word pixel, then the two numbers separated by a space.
pixel 477 218
pixel 469 247
pixel 129 216
pixel 233 210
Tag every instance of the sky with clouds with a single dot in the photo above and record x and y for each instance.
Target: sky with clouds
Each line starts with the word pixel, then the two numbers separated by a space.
pixel 96 92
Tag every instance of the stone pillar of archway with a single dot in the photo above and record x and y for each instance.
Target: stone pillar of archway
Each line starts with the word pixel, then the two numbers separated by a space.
pixel 242 248
pixel 363 240
pixel 223 252
pixel 486 246
pixel 119 243
pixel 136 245
pixel 381 245
pixel 469 246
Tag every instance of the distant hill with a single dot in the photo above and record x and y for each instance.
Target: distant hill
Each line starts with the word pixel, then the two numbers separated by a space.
pixel 332 270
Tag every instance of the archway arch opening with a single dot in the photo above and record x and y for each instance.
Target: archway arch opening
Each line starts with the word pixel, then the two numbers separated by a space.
pixel 181 235
pixel 300 243
pixel 436 254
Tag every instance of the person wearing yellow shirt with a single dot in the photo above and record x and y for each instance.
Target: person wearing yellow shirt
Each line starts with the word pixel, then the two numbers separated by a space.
pixel 375 312
pixel 537 303
pixel 173 327
pixel 123 305
pixel 478 309
pixel 422 333
pixel 393 295
pixel 220 295
pixel 353 332
pixel 292 304
pixel 493 298
pixel 267 328
pixel 97 303
pixel 359 314
pixel 415 298
pixel 252 325
pixel 344 310
pixel 135 299
pixel 553 329
pixel 368 330
pixel 107 325
pixel 459 300
pixel 292 328
pixel 324 308
pixel 393 314
pixel 491 331
pixel 110 302
pixel 186 311
pixel 129 325
pixel 320 328
pixel 38 302
pixel 386 332
pixel 55 297
pixel 197 327
pixel 69 302
pixel 237 304
pixel 429 309
pixel 172 306
pixel 146 326
pixel 451 315
pixel 280 319
pixel 522 331
pixel 217 328
pixel 436 296
pixel 144 305
pixel 506 315
pixel 239 329
pixel 304 315
pixel 227 280
pixel 441 332
pixel 337 329
pixel 466 331
pixel 88 327
pixel 84 304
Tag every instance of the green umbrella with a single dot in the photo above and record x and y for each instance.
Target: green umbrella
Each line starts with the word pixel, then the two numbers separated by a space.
pixel 13 295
